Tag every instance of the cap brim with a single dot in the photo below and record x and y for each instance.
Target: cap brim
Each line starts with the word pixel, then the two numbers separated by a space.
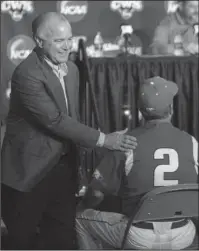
pixel 174 89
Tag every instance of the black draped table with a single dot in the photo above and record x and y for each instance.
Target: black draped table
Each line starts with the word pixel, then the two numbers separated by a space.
pixel 111 87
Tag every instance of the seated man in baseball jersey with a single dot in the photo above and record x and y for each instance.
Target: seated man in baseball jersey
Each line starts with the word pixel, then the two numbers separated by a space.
pixel 165 156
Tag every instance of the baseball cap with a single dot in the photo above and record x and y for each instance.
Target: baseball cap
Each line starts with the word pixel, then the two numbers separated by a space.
pixel 156 95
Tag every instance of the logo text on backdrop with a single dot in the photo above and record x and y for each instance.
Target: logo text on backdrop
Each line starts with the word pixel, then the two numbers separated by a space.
pixel 126 8
pixel 17 8
pixel 73 10
pixel 19 47
pixel 171 6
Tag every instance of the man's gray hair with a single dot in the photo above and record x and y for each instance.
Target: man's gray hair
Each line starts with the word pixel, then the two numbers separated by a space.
pixel 42 23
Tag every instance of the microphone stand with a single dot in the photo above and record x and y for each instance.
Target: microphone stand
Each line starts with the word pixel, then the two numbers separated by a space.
pixel 127 37
pixel 127 44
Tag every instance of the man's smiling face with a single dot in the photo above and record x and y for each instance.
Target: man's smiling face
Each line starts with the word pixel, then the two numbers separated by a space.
pixel 58 43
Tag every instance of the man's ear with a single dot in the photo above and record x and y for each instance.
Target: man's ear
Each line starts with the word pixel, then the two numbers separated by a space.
pixel 171 109
pixel 39 42
pixel 140 116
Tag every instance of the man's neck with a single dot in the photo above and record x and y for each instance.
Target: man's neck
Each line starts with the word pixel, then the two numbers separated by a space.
pixel 158 121
pixel 49 61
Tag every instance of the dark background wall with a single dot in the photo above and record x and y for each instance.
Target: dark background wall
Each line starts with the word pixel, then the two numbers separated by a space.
pixel 99 17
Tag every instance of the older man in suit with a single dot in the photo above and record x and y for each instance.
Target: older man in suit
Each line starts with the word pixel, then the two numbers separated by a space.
pixel 39 176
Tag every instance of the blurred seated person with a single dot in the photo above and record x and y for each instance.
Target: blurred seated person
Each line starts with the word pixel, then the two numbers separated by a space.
pixel 164 156
pixel 177 29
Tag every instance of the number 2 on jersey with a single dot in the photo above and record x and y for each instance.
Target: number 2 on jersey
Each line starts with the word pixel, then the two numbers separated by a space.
pixel 161 169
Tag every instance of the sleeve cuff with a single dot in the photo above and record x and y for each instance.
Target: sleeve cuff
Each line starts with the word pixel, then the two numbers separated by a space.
pixel 101 140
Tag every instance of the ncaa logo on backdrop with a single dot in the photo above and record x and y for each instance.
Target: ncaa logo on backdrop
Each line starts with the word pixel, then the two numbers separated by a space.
pixel 17 8
pixel 171 6
pixel 126 8
pixel 73 10
pixel 19 47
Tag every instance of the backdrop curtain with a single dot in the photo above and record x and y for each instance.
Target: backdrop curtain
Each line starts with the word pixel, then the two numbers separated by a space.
pixel 114 83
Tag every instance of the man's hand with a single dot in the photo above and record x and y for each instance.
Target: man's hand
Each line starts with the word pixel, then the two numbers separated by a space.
pixel 120 141
pixel 91 199
pixel 192 48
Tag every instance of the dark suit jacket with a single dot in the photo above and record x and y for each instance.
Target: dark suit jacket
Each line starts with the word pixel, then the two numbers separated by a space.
pixel 38 127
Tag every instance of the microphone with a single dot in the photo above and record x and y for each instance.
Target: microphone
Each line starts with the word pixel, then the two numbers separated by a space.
pixel 126 32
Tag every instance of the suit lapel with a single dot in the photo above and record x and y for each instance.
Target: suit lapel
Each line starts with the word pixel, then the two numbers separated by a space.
pixel 53 85
pixel 67 81
pixel 56 90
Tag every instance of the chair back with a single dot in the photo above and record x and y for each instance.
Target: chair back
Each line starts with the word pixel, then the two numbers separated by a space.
pixel 166 203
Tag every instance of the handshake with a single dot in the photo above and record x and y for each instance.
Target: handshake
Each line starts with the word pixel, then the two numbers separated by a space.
pixel 117 141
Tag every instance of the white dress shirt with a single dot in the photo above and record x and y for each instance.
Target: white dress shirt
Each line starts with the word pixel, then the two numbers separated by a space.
pixel 60 71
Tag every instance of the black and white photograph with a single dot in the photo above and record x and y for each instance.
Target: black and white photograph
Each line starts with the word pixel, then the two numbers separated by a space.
pixel 99 119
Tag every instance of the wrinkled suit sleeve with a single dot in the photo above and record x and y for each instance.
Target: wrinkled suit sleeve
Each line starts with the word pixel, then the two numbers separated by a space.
pixel 39 107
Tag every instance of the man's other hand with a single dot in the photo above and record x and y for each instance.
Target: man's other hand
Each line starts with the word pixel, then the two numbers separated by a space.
pixel 120 141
